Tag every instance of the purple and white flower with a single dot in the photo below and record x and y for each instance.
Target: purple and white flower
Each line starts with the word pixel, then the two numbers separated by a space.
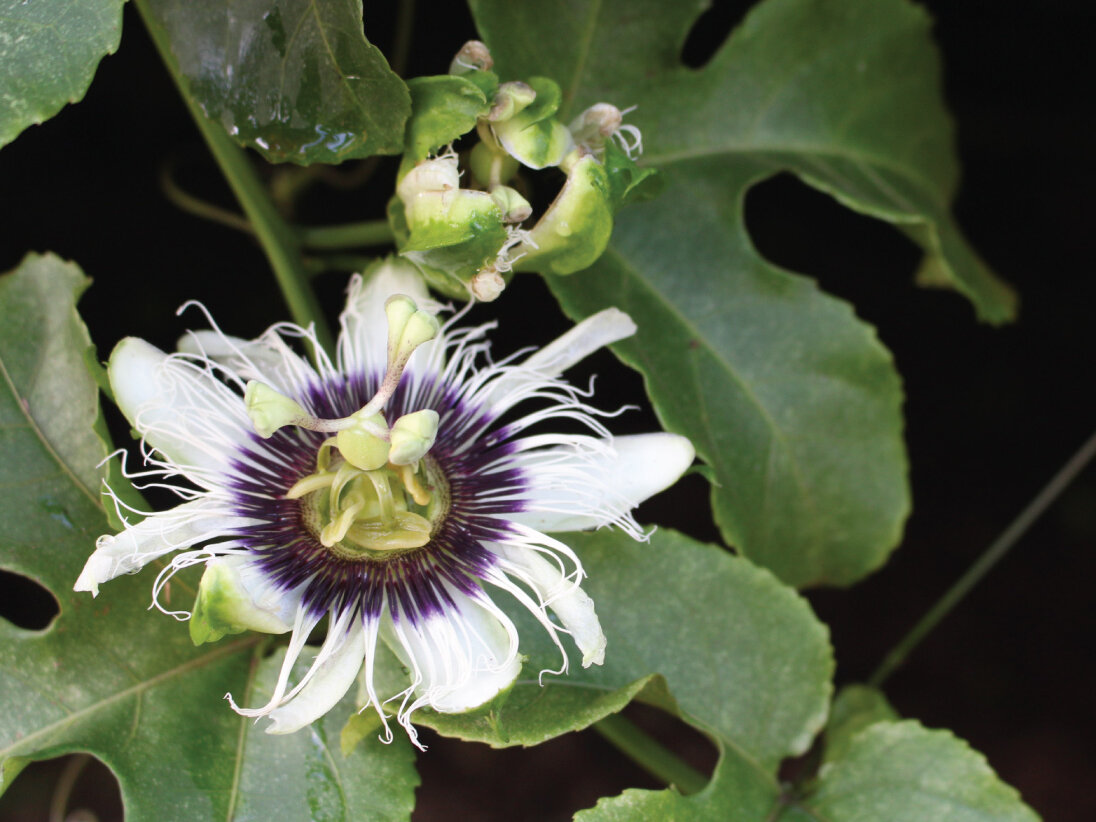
pixel 410 548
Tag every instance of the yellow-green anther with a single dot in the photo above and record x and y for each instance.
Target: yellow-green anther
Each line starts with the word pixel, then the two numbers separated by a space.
pixel 270 410
pixel 511 98
pixel 398 309
pixel 513 206
pixel 412 435
pixel 421 327
pixel 362 449
pixel 473 56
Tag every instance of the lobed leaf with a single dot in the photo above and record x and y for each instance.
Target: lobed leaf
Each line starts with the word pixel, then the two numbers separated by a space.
pixel 786 394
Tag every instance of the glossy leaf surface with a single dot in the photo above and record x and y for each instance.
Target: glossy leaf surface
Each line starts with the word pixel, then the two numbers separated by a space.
pixel 48 55
pixel 295 80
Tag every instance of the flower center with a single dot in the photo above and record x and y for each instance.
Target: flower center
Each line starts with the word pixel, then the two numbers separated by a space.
pixel 359 515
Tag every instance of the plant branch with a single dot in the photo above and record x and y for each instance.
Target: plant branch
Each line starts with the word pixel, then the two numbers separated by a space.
pixel 278 241
pixel 997 549
pixel 349 235
pixel 649 755
pixel 187 202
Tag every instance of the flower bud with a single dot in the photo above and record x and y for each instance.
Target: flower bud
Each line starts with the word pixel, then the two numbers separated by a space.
pixel 510 99
pixel 513 206
pixel 473 56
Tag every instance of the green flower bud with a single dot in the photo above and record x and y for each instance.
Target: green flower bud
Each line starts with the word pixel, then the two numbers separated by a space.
pixel 473 56
pixel 533 136
pixel 510 99
pixel 412 436
pixel 513 206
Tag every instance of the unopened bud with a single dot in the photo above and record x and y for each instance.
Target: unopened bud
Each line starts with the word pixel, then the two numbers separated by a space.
pixel 487 284
pixel 513 206
pixel 439 174
pixel 412 436
pixel 510 99
pixel 473 56
pixel 599 122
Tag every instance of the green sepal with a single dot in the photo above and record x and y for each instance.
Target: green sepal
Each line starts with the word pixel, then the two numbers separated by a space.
pixel 575 229
pixel 485 81
pixel 628 183
pixel 443 108
pixel 462 233
pixel 533 136
pixel 222 606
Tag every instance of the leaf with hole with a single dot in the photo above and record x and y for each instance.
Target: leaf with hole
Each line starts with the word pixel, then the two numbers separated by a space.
pixel 295 80
pixel 107 676
pixel 790 398
pixel 48 55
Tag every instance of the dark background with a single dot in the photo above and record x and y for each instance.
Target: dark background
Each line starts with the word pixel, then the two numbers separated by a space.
pixel 991 413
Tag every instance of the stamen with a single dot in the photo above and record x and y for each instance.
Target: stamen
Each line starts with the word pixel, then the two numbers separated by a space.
pixel 307 485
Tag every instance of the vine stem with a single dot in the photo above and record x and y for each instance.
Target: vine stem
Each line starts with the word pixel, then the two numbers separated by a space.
pixel 996 550
pixel 649 755
pixel 349 235
pixel 279 242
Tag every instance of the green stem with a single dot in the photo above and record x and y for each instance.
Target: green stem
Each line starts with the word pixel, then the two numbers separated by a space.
pixel 200 208
pixel 997 549
pixel 401 46
pixel 279 242
pixel 649 755
pixel 350 235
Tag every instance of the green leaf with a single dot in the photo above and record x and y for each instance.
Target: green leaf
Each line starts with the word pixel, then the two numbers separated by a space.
pixel 315 778
pixel 443 108
pixel 902 772
pixel 844 95
pixel 741 654
pixel 784 392
pixel 48 55
pixel 294 79
pixel 737 793
pixel 107 676
pixel 854 708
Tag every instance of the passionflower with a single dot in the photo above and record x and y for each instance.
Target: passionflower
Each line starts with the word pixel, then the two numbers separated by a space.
pixel 401 492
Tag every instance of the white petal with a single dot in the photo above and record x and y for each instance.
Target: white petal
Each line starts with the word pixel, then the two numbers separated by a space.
pixel 568 491
pixel 158 534
pixel 549 362
pixel 181 409
pixel 330 682
pixel 459 659
pixel 568 601
pixel 268 359
pixel 584 339
pixel 363 341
